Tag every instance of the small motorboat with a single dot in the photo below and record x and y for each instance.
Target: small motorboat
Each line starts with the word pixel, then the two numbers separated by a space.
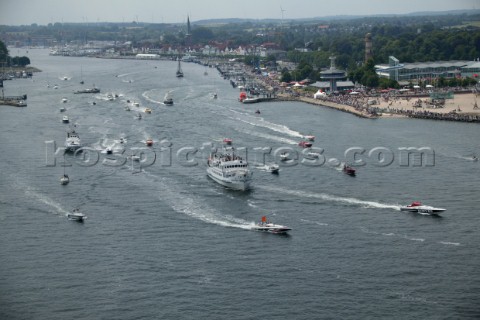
pixel 284 156
pixel 109 150
pixel 149 142
pixel 122 140
pixel 65 119
pixel 134 157
pixel 139 116
pixel 64 179
pixel 349 170
pixel 76 215
pixel 148 110
pixel 136 104
pixel 310 138
pixel 64 100
pixel 257 112
pixel 127 108
pixel 266 226
pixel 418 207
pixel 305 144
pixel 474 158
pixel 313 155
pixel 63 109
pixel 272 167
pixel 215 96
pixel 227 141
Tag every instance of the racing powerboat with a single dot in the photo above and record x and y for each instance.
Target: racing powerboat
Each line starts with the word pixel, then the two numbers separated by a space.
pixel 76 215
pixel 266 226
pixel 418 207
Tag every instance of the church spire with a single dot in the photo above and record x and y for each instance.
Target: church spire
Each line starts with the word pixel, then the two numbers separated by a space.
pixel 189 29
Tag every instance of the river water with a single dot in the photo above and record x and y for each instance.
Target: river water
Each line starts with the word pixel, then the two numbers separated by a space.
pixel 163 241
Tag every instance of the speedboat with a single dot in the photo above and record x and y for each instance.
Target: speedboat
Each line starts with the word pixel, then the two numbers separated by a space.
pixel 76 215
pixel 136 104
pixel 134 157
pixel 305 144
pixel 272 167
pixel 313 155
pixel 266 226
pixel 127 108
pixel 149 142
pixel 64 100
pixel 284 156
pixel 63 109
pixel 310 138
pixel 122 140
pixel 168 100
pixel 349 170
pixel 108 150
pixel 418 207
pixel 229 169
pixel 139 116
pixel 148 110
pixel 65 119
pixel 72 143
pixel 64 179
pixel 257 112
pixel 215 96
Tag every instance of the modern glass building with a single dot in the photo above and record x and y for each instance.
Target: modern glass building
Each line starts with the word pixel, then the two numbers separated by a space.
pixel 427 70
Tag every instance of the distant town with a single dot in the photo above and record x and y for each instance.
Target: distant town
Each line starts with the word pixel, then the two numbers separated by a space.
pixel 401 49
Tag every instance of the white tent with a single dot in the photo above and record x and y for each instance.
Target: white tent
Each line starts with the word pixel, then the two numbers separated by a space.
pixel 428 86
pixel 319 95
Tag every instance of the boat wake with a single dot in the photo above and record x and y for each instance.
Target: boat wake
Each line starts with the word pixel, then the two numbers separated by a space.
pixel 54 207
pixel 149 98
pixel 260 122
pixel 331 198
pixel 193 206
pixel 266 136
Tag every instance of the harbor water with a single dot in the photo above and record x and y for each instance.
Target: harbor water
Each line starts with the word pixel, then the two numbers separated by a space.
pixel 163 241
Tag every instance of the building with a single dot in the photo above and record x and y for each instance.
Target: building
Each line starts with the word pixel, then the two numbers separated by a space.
pixel 332 75
pixel 427 70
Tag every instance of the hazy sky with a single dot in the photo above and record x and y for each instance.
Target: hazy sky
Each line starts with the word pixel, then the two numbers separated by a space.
pixel 18 12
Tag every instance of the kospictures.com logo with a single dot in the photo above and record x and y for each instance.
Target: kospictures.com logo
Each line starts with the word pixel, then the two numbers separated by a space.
pixel 164 154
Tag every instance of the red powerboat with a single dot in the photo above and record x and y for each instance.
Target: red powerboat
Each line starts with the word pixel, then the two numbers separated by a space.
pixel 305 144
pixel 349 170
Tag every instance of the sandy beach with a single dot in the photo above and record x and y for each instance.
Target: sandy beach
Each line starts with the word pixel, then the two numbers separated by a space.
pixel 462 104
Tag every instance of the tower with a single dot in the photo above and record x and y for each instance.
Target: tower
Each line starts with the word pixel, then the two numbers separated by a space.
pixel 368 47
pixel 189 28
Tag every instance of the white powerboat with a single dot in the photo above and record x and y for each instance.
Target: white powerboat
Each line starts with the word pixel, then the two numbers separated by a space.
pixel 108 150
pixel 168 100
pixel 420 208
pixel 76 215
pixel 266 226
pixel 65 119
pixel 269 167
pixel 229 169
pixel 72 143
pixel 64 179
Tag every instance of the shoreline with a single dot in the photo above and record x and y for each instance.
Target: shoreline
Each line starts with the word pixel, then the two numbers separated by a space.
pixel 462 108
